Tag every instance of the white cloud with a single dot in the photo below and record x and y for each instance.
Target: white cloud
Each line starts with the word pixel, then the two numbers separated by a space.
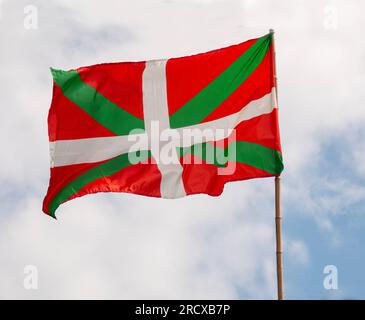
pixel 117 247
pixel 298 252
pixel 358 154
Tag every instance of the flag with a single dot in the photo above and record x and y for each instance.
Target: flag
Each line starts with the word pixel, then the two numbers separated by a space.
pixel 164 128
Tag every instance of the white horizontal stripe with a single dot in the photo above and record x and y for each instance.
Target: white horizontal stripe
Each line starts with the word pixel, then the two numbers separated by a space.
pixel 67 152
pixel 253 109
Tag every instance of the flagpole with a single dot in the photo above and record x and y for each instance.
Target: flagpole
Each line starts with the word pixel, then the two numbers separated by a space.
pixel 278 217
pixel 279 250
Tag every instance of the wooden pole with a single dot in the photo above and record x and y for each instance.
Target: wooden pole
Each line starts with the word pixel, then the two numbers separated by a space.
pixel 278 218
pixel 279 250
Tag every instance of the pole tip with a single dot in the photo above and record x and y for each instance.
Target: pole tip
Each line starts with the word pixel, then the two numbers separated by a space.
pixel 271 30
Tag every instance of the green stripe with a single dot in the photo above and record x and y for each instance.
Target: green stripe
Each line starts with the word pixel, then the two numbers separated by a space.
pixel 103 170
pixel 204 103
pixel 95 104
pixel 253 154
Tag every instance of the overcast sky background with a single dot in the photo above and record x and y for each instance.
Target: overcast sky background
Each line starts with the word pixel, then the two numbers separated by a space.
pixel 126 246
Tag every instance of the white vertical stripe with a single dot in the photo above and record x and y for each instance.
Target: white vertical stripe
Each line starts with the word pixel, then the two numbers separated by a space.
pixel 155 110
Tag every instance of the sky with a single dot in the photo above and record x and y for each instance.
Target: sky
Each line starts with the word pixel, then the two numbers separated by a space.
pixel 121 246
